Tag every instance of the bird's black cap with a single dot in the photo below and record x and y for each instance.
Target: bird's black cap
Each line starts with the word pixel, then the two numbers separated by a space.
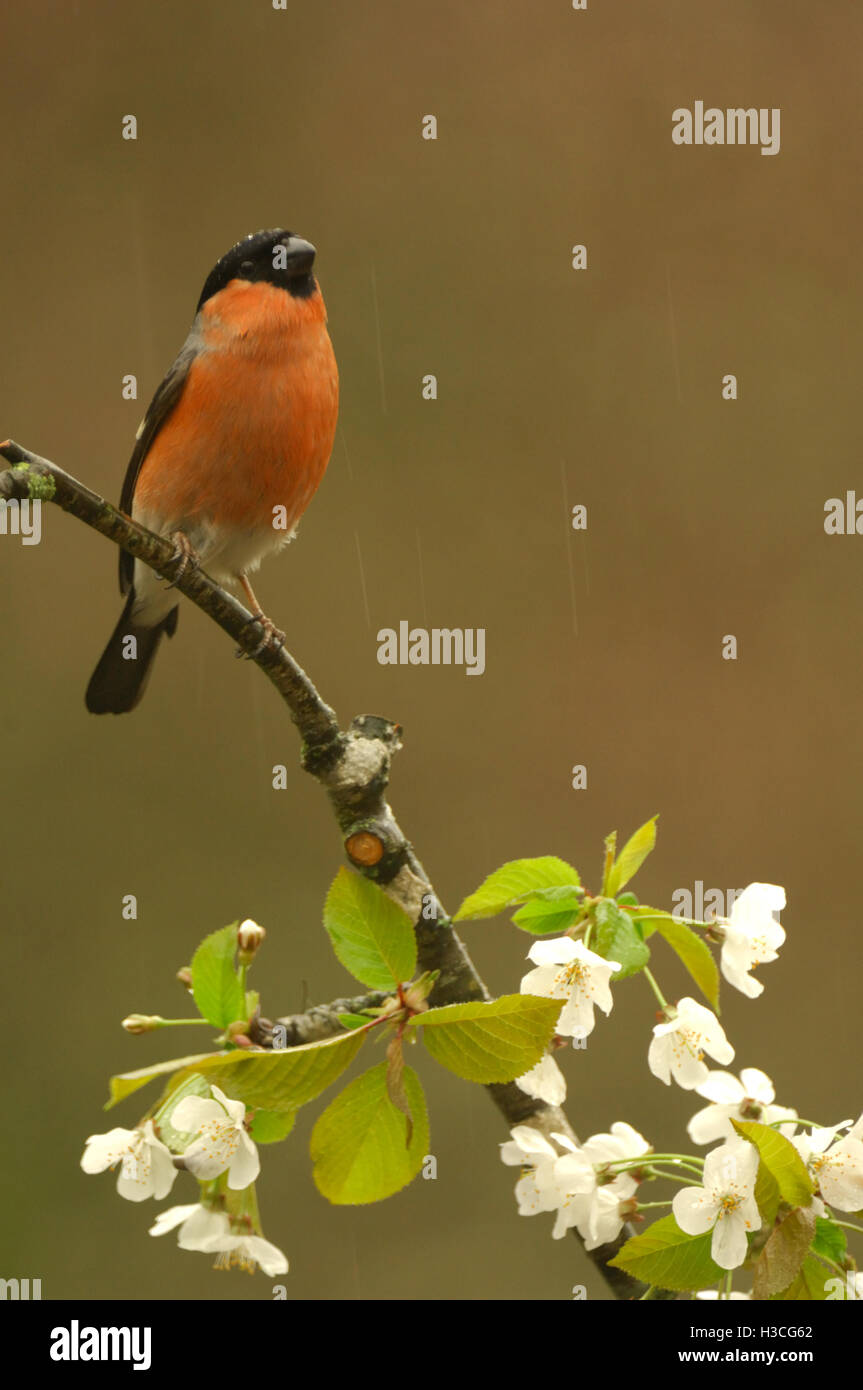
pixel 279 257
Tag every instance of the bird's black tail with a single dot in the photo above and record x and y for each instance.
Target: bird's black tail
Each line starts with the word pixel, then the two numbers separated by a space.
pixel 120 679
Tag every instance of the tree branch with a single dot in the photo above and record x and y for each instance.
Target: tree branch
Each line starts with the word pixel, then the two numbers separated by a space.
pixel 316 1024
pixel 352 766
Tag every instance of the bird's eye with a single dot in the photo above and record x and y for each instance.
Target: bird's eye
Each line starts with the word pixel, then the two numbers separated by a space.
pixel 247 265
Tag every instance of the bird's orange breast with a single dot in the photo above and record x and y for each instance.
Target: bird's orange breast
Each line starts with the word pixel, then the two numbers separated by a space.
pixel 254 426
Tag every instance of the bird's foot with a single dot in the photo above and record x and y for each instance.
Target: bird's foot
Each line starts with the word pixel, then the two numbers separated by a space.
pixel 271 636
pixel 184 555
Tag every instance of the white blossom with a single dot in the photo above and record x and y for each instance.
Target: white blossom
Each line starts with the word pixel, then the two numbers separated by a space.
pixel 835 1165
pixel 726 1202
pixel 223 1144
pixel 679 1045
pixel 545 1081
pixel 146 1164
pixel 750 1098
pixel 752 935
pixel 567 970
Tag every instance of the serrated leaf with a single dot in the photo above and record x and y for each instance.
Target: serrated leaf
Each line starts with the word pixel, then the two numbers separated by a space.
pixel 215 983
pixel 810 1285
pixel 782 1258
pixel 829 1240
pixel 779 1155
pixel 665 1256
pixel 550 911
pixel 125 1083
pixel 513 883
pixel 631 857
pixel 694 954
pixel 283 1079
pixel 359 1147
pixel 372 936
pixel 353 1020
pixel 270 1126
pixel 490 1042
pixel 617 938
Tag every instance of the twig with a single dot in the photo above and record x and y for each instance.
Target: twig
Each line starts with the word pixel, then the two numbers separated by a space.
pixel 316 1024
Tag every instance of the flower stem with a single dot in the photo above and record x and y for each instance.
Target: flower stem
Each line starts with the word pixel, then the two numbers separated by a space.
pixel 848 1224
pixel 183 1022
pixel 663 1003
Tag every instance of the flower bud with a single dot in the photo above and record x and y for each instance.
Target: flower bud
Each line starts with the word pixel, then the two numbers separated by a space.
pixel 142 1023
pixel 249 938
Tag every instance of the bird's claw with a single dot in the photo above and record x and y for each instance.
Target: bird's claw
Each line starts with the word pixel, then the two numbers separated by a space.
pixel 271 636
pixel 184 555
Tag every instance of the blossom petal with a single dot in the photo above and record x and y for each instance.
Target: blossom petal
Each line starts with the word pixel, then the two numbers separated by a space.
pixel 694 1210
pixel 559 951
pixel 171 1217
pixel 192 1112
pixel 729 1246
pixel 246 1164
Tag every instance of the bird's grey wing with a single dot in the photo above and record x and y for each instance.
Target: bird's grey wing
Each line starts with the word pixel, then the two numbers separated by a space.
pixel 158 411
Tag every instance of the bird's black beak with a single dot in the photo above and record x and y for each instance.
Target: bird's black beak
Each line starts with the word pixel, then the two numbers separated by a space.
pixel 300 255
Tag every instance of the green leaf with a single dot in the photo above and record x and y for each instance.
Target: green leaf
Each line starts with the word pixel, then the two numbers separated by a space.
pixel 610 846
pixel 631 857
pixel 695 954
pixel 810 1284
pixel 127 1082
pixel 649 918
pixel 215 983
pixel 616 937
pixel 829 1240
pixel 371 935
pixel 490 1042
pixel 665 1256
pixel 782 1258
pixel 514 883
pixel 354 1020
pixel 550 911
pixel 767 1194
pixel 779 1155
pixel 284 1079
pixel 269 1126
pixel 359 1147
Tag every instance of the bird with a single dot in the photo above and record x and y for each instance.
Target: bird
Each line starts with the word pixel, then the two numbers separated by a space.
pixel 231 450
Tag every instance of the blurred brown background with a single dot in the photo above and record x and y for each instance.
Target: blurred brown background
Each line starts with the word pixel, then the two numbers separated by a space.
pixel 705 518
